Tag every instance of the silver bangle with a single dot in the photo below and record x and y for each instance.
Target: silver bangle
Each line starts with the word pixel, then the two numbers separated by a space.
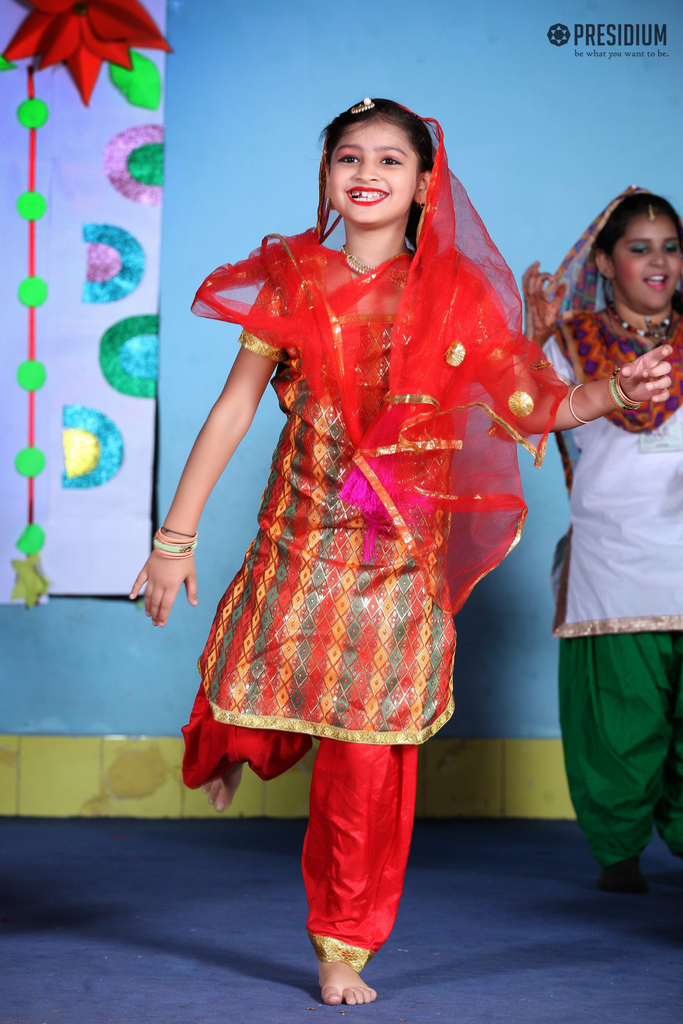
pixel 571 403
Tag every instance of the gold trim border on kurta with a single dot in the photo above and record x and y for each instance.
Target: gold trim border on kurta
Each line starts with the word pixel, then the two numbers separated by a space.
pixel 612 627
pixel 334 951
pixel 331 732
pixel 261 348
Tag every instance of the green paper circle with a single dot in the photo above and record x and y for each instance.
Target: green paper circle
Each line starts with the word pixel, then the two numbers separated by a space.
pixel 31 375
pixel 31 205
pixel 32 113
pixel 31 540
pixel 30 462
pixel 32 291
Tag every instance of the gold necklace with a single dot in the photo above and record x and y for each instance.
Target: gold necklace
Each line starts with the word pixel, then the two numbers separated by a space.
pixel 355 263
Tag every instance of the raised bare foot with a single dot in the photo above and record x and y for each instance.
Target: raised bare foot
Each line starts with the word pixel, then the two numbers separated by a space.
pixel 341 984
pixel 221 792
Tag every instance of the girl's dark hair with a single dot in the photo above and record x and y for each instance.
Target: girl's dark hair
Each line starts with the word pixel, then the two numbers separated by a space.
pixel 635 206
pixel 390 113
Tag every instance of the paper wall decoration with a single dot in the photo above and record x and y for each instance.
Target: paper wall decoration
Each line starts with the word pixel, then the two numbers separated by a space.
pixel 86 455
pixel 129 355
pixel 116 263
pixel 84 35
pixel 30 584
pixel 134 162
pixel 93 447
pixel 141 85
pixel 29 462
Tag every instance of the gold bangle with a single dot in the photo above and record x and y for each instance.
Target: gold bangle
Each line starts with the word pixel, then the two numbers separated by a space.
pixel 172 548
pixel 611 393
pixel 628 404
pixel 570 400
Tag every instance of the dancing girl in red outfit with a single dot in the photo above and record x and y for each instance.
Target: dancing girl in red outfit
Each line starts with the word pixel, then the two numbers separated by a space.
pixel 405 381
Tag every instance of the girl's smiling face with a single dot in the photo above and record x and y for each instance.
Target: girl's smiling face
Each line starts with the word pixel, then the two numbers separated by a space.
pixel 645 265
pixel 374 176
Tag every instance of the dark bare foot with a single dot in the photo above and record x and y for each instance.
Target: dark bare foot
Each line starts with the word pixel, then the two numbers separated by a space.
pixel 624 876
pixel 341 984
pixel 221 792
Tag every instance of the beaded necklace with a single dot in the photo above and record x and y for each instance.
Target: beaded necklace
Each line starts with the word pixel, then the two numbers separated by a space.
pixel 658 332
pixel 358 265
pixel 355 263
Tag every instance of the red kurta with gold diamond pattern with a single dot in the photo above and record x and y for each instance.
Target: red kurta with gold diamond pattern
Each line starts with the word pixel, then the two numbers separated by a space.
pixel 309 637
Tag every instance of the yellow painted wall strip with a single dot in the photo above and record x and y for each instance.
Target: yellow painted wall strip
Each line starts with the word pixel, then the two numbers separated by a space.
pixel 101 776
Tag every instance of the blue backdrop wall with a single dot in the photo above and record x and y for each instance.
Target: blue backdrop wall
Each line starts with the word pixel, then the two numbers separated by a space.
pixel 541 137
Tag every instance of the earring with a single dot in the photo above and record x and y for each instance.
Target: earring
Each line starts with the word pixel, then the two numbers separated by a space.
pixel 420 222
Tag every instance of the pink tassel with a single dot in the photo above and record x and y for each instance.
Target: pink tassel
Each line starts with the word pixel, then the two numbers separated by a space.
pixel 358 491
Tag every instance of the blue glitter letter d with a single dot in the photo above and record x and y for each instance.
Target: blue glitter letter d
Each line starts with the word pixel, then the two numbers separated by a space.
pixel 116 263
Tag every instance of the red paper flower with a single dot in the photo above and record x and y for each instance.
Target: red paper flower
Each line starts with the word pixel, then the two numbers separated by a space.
pixel 83 35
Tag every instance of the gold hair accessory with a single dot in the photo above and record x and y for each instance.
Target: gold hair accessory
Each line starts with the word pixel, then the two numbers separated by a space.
pixel 367 104
pixel 650 212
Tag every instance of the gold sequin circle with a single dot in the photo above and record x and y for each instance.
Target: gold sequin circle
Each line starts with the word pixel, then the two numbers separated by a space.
pixel 520 403
pixel 455 354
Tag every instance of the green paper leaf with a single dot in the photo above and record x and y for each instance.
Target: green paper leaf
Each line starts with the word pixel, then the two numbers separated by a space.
pixel 141 85
pixel 30 582
pixel 6 65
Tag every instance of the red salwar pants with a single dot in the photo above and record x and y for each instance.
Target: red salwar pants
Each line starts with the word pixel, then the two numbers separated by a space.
pixel 362 806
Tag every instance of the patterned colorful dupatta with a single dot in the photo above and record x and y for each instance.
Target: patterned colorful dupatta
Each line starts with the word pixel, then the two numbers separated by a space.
pixel 578 272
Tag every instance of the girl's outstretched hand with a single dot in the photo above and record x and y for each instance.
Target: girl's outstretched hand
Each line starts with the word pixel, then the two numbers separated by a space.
pixel 164 578
pixel 541 311
pixel 647 379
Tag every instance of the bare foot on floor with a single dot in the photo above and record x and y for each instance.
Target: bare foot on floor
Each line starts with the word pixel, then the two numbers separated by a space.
pixel 341 984
pixel 221 792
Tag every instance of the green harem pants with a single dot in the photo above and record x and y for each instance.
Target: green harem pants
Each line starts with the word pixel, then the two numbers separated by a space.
pixel 621 711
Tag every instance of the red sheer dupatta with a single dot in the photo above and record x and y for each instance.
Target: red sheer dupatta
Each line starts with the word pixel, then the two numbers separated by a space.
pixel 464 383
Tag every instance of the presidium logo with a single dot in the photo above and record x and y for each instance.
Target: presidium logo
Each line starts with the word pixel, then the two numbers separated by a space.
pixel 603 36
pixel 558 34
